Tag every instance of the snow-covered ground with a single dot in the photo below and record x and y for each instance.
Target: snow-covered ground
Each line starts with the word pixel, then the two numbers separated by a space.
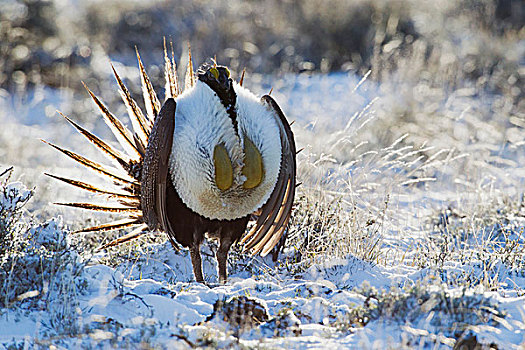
pixel 392 244
pixel 149 300
pixel 407 230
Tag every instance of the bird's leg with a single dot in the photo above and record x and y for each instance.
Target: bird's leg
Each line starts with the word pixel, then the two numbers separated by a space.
pixel 196 261
pixel 222 258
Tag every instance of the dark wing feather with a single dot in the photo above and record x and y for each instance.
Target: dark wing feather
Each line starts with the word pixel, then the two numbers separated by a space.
pixel 275 214
pixel 155 168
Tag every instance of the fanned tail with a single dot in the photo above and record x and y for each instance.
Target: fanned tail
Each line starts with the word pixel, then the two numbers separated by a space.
pixel 139 231
pixel 95 189
pixel 170 74
pixel 190 76
pixel 241 81
pixel 122 159
pixel 121 133
pixel 117 225
pixel 133 143
pixel 124 180
pixel 141 127
pixel 274 216
pixel 95 207
pixel 151 100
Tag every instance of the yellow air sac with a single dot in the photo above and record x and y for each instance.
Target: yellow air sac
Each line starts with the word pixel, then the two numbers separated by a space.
pixel 223 168
pixel 253 166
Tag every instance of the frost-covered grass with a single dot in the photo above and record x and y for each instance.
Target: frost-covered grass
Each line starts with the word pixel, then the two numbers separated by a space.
pixel 408 228
pixel 388 247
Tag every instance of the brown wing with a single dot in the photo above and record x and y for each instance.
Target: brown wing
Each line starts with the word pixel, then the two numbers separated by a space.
pixel 275 214
pixel 155 168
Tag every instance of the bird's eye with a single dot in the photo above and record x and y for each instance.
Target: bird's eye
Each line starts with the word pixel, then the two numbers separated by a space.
pixel 215 72
pixel 227 72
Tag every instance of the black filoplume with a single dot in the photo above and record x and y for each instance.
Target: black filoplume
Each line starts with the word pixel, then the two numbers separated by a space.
pixel 223 87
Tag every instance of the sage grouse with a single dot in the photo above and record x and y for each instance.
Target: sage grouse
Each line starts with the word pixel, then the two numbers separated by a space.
pixel 212 158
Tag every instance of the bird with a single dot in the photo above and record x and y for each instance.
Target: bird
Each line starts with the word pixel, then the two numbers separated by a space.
pixel 204 164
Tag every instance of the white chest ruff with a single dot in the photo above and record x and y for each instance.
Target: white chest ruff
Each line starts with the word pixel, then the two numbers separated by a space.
pixel 201 123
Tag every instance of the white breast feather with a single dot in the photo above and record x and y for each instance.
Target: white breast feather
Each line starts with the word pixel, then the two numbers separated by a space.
pixel 201 123
pixel 258 123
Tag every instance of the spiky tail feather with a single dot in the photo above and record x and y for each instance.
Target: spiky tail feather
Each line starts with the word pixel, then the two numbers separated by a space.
pixel 133 142
pixel 128 161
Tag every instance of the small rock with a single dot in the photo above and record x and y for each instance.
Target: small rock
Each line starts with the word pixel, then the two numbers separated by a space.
pixel 241 312
pixel 285 323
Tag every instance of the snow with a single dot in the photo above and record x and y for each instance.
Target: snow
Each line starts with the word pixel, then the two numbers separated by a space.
pixel 151 298
pixel 15 194
pixel 313 303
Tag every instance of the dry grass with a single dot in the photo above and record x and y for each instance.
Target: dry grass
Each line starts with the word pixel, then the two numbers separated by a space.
pixel 417 166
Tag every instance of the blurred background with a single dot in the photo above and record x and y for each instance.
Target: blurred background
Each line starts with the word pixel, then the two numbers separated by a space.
pixel 58 43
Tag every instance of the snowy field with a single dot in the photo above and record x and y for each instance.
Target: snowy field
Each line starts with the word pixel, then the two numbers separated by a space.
pixel 409 258
pixel 407 232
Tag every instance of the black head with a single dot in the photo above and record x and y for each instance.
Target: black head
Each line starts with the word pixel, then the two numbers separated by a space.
pixel 216 77
pixel 219 80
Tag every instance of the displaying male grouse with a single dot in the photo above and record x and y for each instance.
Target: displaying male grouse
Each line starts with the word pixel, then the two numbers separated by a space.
pixel 209 160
